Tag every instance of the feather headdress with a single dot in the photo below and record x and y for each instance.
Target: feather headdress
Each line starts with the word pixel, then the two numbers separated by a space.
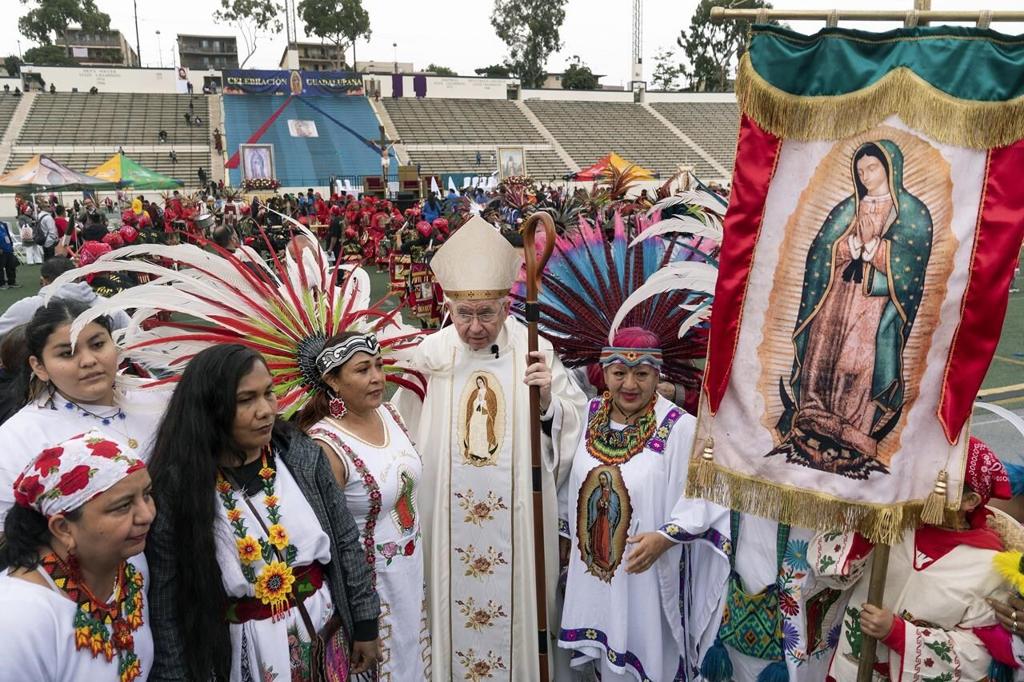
pixel 593 285
pixel 285 310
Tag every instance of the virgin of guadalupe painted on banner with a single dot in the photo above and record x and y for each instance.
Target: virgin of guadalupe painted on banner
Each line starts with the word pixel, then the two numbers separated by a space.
pixel 603 517
pixel 872 268
pixel 481 422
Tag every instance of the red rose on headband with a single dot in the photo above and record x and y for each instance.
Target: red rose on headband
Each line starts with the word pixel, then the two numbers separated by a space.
pixel 49 460
pixel 26 490
pixel 74 480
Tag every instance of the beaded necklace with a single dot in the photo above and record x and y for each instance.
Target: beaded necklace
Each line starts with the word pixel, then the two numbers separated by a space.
pixel 103 628
pixel 106 420
pixel 273 584
pixel 612 446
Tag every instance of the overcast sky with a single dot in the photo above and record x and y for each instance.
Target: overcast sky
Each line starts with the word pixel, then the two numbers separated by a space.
pixel 458 34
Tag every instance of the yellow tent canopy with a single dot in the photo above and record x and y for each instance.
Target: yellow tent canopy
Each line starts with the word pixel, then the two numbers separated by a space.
pixel 615 161
pixel 127 172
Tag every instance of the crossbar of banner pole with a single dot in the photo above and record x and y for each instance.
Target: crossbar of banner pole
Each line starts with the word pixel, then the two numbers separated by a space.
pixel 911 17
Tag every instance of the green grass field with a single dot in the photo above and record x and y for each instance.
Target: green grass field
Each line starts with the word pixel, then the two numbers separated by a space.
pixel 1004 383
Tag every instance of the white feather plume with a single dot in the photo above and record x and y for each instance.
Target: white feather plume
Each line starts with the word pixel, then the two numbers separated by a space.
pixel 693 276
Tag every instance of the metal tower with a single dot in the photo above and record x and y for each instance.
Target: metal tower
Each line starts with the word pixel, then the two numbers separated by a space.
pixel 637 65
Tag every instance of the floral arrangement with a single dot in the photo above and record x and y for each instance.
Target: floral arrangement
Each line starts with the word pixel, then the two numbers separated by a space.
pixel 260 184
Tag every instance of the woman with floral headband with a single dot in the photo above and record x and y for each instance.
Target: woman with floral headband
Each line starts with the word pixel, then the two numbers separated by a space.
pixel 71 389
pixel 624 611
pixel 255 557
pixel 379 470
pixel 73 598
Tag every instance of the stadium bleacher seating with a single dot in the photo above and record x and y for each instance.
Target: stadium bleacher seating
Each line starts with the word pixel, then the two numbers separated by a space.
pixel 68 118
pixel 8 103
pixel 443 135
pixel 184 170
pixel 540 164
pixel 460 121
pixel 713 125
pixel 590 130
pixel 338 150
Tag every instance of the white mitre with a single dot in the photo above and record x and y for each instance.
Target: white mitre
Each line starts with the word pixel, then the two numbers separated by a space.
pixel 476 263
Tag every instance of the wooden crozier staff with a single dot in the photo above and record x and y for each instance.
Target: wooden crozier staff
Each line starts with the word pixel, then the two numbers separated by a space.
pixel 534 272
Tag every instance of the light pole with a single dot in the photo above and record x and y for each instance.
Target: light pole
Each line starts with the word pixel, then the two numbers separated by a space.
pixel 138 45
pixel 159 51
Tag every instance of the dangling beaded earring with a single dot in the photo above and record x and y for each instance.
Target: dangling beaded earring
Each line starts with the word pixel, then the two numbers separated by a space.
pixel 337 406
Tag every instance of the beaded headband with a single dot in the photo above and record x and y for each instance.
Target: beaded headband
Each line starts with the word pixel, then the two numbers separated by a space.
pixel 339 354
pixel 631 357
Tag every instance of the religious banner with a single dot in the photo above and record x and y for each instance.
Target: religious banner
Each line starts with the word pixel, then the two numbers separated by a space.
pixel 267 82
pixel 871 237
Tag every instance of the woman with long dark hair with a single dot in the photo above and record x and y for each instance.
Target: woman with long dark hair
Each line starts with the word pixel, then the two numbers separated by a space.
pixel 379 470
pixel 73 597
pixel 254 553
pixel 67 387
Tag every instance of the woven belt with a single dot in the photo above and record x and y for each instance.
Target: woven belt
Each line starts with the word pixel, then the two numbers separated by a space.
pixel 308 579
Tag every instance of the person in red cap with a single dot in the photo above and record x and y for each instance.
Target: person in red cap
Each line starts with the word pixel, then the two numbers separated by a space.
pixel 936 621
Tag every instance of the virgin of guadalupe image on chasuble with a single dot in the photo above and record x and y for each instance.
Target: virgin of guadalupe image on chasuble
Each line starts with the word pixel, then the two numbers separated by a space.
pixel 482 424
pixel 871 236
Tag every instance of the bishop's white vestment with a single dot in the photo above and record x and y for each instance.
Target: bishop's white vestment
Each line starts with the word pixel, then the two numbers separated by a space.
pixel 473 432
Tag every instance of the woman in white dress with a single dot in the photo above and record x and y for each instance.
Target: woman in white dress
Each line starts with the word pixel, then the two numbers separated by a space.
pixel 69 390
pixel 254 557
pixel 73 600
pixel 630 530
pixel 379 469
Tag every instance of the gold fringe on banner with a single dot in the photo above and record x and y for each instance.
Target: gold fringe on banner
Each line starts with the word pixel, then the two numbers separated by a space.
pixel 880 524
pixel 948 119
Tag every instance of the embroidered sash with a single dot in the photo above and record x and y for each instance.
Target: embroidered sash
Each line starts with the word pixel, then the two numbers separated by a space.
pixel 481 482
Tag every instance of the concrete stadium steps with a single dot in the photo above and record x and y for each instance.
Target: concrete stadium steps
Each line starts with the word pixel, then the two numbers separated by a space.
pixel 713 125
pixel 460 121
pixel 307 161
pixel 8 103
pixel 82 161
pixel 114 119
pixel 540 164
pixel 590 130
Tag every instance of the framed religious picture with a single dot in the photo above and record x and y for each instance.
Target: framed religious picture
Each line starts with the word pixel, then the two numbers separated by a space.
pixel 511 162
pixel 302 128
pixel 257 161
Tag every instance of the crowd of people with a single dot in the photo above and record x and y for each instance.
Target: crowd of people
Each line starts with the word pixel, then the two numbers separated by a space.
pixel 225 463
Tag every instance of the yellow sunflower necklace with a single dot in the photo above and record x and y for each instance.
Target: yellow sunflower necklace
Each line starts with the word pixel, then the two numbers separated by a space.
pixel 273 584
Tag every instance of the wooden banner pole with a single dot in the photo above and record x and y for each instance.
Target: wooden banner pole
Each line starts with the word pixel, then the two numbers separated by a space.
pixel 876 594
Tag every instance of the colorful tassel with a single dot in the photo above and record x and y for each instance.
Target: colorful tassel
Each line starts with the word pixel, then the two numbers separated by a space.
pixel 935 505
pixel 775 672
pixel 1000 672
pixel 716 666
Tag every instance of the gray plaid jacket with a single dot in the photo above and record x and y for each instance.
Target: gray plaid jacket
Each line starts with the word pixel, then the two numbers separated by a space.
pixel 348 574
